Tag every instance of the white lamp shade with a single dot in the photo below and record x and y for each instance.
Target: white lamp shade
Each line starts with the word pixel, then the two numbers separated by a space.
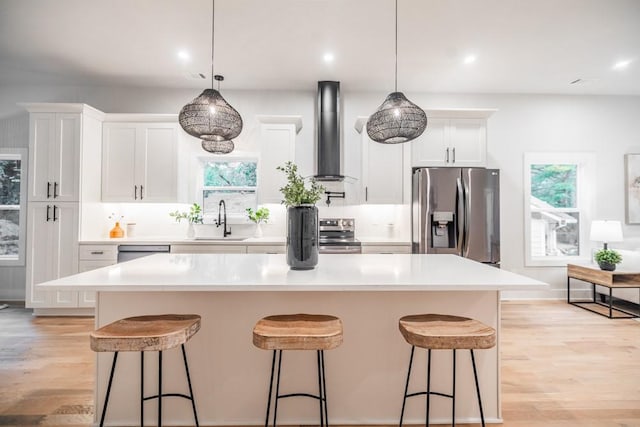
pixel 606 231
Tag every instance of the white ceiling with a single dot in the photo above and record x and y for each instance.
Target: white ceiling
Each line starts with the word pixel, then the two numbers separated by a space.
pixel 521 46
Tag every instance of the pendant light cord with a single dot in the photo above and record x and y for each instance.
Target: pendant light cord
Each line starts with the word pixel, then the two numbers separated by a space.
pixel 396 73
pixel 213 26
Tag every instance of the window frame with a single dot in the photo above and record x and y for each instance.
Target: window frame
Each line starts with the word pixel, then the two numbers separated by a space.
pixel 585 178
pixel 22 155
pixel 233 218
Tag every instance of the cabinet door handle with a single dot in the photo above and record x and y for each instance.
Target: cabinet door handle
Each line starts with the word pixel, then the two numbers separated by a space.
pixel 48 218
pixel 55 190
pixel 141 188
pixel 135 192
pixel 446 160
pixel 366 194
pixel 454 154
pixel 54 213
pixel 48 189
pixel 97 252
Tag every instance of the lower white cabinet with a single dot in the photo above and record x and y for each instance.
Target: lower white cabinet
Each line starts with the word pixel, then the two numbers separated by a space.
pixel 92 257
pixel 52 252
pixel 266 249
pixel 386 249
pixel 208 249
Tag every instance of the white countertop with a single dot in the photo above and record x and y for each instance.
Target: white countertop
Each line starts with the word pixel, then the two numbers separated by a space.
pixel 270 272
pixel 273 240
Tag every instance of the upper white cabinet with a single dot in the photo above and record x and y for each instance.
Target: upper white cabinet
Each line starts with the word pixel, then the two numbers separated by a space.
pixel 382 171
pixel 54 162
pixel 453 138
pixel 277 146
pixel 139 162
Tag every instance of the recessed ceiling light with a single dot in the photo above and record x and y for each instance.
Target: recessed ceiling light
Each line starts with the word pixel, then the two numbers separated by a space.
pixel 470 59
pixel 328 57
pixel 184 55
pixel 620 65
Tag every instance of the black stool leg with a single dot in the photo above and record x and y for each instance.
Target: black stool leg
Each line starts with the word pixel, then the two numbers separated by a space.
pixel 475 376
pixel 273 367
pixel 406 387
pixel 453 394
pixel 193 402
pixel 320 390
pixel 275 408
pixel 428 384
pixel 141 388
pixel 160 389
pixel 106 399
pixel 324 388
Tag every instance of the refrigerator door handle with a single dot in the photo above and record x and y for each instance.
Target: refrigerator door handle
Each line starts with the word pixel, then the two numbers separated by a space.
pixel 460 207
pixel 467 211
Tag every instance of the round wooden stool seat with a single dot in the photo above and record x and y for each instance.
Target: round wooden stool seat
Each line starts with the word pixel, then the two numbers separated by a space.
pixel 298 332
pixel 146 333
pixel 444 332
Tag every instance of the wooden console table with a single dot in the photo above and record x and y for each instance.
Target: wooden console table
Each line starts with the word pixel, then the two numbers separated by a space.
pixel 609 279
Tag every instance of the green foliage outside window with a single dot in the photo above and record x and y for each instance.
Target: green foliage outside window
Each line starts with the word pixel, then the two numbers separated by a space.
pixel 10 182
pixel 555 184
pixel 230 174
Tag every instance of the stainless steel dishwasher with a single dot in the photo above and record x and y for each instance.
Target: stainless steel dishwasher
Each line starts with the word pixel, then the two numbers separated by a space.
pixel 129 252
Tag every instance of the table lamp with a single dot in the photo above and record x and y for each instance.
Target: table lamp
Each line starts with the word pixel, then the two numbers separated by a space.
pixel 606 231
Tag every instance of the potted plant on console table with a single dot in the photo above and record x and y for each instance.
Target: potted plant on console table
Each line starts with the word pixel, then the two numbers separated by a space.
pixel 607 259
pixel 302 218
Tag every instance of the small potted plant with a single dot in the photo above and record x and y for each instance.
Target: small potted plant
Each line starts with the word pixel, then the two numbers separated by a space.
pixel 302 218
pixel 258 216
pixel 607 259
pixel 194 216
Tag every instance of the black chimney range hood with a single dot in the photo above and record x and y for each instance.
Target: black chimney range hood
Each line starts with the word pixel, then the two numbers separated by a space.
pixel 328 132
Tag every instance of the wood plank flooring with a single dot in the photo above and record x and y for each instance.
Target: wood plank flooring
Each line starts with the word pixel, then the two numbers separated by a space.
pixel 561 366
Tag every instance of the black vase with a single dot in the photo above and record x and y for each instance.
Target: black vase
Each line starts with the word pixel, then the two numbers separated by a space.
pixel 302 237
pixel 607 266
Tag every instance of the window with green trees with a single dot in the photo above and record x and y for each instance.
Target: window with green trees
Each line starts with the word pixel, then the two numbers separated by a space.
pixel 556 206
pixel 11 213
pixel 234 181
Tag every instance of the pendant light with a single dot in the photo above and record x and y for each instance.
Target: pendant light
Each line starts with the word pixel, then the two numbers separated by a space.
pixel 397 120
pixel 209 116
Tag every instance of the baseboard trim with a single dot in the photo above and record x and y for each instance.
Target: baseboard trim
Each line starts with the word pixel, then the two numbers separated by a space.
pixel 80 312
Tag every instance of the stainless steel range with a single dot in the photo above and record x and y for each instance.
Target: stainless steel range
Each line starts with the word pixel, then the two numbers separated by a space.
pixel 338 236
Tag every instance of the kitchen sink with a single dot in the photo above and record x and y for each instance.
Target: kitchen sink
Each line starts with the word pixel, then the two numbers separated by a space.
pixel 221 239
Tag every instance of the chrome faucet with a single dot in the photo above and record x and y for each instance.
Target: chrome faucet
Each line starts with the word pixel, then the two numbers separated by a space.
pixel 223 205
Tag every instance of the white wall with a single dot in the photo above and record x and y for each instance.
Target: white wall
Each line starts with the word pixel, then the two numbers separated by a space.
pixel 604 125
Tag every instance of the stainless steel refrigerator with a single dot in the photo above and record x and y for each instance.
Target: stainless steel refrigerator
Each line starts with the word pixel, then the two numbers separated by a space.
pixel 457 211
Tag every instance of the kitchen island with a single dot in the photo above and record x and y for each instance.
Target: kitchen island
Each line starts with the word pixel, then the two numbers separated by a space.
pixel 365 376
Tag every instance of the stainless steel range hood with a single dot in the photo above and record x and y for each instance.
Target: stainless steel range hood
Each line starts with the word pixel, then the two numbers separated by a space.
pixel 328 154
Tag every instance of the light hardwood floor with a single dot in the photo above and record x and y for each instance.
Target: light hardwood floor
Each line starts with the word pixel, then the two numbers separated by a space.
pixel 561 366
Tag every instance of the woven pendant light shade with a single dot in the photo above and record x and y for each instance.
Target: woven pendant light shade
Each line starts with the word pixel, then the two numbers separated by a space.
pixel 217 147
pixel 210 117
pixel 397 120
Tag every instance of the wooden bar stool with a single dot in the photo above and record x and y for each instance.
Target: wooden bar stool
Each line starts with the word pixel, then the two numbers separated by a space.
pixel 444 332
pixel 298 332
pixel 147 333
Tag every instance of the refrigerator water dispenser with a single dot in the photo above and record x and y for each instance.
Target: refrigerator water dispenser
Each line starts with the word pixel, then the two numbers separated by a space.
pixel 443 230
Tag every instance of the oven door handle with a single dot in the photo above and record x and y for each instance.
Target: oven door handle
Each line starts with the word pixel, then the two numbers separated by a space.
pixel 336 250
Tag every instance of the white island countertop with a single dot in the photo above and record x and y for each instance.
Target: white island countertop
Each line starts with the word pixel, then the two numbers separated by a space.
pixel 270 272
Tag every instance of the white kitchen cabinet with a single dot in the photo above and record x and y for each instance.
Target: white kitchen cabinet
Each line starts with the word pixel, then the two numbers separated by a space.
pixel 208 249
pixel 277 146
pixel 139 162
pixel 456 142
pixel 266 249
pixel 386 249
pixel 54 162
pixel 382 172
pixel 91 257
pixel 52 251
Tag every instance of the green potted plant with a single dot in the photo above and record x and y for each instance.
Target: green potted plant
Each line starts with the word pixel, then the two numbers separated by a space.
pixel 607 259
pixel 302 218
pixel 258 216
pixel 194 216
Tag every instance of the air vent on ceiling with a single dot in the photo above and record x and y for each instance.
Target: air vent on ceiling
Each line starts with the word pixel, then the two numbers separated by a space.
pixel 195 76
